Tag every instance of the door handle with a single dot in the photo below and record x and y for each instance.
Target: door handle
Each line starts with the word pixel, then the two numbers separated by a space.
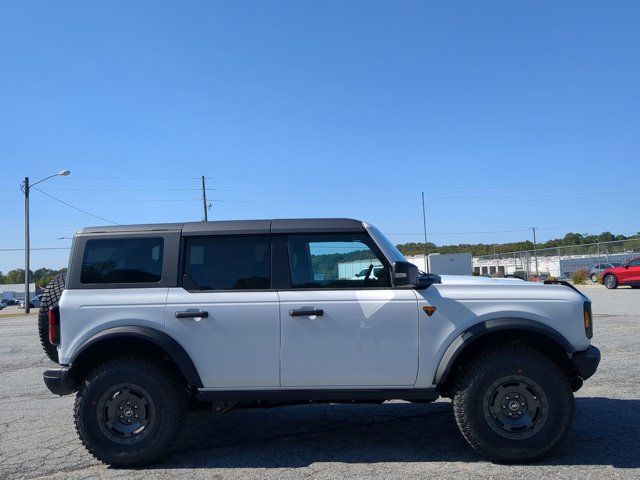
pixel 318 312
pixel 192 314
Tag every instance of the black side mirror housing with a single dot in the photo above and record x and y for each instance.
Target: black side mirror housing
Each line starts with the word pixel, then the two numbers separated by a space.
pixel 407 275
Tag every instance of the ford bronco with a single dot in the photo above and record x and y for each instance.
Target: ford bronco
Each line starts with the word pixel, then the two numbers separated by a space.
pixel 151 319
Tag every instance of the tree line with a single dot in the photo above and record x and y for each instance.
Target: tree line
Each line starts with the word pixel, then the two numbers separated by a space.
pixel 41 277
pixel 478 249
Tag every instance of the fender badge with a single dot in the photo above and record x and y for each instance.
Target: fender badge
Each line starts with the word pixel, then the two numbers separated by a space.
pixel 429 309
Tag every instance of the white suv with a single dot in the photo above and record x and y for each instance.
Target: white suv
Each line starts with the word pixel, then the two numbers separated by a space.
pixel 260 313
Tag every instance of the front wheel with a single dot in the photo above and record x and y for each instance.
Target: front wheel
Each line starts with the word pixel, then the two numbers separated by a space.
pixel 610 281
pixel 129 411
pixel 513 404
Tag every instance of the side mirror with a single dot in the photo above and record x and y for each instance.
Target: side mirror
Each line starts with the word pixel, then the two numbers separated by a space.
pixel 406 274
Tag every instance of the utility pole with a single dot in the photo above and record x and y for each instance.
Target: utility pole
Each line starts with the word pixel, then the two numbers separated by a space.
pixel 26 188
pixel 26 246
pixel 535 251
pixel 204 199
pixel 426 248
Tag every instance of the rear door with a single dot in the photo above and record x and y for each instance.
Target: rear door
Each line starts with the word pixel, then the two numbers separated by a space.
pixel 226 314
pixel 340 329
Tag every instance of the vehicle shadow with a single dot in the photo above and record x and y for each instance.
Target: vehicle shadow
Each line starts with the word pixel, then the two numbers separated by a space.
pixel 605 432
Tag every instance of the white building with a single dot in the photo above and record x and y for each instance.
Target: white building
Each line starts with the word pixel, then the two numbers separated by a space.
pixel 11 291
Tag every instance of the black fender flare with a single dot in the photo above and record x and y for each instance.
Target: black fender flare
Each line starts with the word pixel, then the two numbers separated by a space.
pixel 162 340
pixel 479 330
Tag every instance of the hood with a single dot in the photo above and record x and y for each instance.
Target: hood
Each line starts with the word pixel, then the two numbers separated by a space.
pixel 471 280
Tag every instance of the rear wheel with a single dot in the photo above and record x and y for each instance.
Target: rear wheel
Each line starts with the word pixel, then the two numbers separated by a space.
pixel 130 410
pixel 50 298
pixel 513 404
pixel 610 281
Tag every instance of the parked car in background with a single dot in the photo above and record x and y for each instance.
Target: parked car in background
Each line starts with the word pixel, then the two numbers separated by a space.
pixel 598 268
pixel 365 274
pixel 628 274
pixel 34 303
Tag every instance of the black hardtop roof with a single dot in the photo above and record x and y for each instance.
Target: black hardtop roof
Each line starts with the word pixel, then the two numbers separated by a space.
pixel 221 227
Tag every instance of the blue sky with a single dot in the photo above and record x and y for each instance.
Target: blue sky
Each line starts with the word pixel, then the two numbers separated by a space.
pixel 507 114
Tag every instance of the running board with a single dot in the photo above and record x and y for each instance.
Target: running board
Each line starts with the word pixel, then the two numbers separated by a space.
pixel 317 395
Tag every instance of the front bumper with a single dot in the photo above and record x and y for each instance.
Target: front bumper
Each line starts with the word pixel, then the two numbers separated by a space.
pixel 59 380
pixel 586 361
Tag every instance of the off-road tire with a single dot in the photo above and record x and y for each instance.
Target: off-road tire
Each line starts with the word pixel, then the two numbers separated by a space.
pixel 473 393
pixel 50 298
pixel 167 395
pixel 610 281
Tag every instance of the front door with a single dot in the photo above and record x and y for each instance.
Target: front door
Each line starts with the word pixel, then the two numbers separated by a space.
pixel 225 314
pixel 342 322
pixel 631 274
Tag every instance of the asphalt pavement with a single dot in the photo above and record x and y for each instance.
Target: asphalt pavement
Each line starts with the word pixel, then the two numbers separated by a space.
pixel 393 440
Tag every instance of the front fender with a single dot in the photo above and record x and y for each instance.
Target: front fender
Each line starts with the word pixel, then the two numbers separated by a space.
pixel 479 330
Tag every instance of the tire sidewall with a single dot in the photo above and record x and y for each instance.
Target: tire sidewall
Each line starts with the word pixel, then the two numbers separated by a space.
pixel 162 430
pixel 560 405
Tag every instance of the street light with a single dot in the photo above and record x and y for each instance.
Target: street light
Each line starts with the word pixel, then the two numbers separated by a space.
pixel 26 187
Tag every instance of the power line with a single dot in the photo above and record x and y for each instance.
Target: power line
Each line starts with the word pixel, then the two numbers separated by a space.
pixel 280 182
pixel 76 208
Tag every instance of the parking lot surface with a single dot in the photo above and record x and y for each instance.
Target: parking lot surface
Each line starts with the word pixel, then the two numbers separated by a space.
pixel 393 440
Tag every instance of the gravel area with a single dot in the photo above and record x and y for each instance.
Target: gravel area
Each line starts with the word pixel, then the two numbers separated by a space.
pixel 393 440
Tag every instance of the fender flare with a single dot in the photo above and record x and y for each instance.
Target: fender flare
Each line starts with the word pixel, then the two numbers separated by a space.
pixel 162 340
pixel 479 330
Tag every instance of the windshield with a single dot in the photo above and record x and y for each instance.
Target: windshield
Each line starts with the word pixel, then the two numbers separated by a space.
pixel 384 244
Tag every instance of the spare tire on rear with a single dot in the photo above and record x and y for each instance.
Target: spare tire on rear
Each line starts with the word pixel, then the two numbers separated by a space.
pixel 49 298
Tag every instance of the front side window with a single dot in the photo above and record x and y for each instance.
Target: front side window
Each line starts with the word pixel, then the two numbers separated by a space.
pixel 335 261
pixel 228 263
pixel 126 260
pixel 634 263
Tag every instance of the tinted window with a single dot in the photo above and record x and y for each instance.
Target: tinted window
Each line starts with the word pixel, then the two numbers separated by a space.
pixel 131 260
pixel 634 263
pixel 228 263
pixel 335 261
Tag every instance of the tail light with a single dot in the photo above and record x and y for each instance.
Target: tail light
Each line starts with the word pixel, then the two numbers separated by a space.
pixel 54 325
pixel 588 320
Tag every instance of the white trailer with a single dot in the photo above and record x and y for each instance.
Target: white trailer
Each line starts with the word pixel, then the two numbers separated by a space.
pixel 444 263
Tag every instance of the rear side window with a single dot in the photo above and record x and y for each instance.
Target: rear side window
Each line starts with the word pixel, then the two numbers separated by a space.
pixel 130 260
pixel 228 263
